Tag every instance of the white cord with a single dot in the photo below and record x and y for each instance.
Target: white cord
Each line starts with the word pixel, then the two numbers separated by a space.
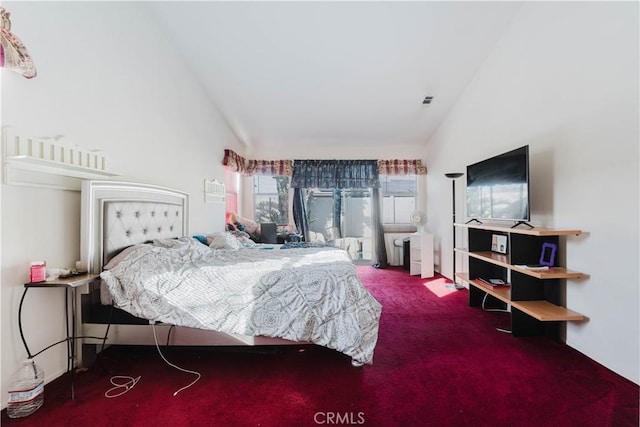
pixel 129 383
pixel 153 325
pixel 492 309
pixel 506 331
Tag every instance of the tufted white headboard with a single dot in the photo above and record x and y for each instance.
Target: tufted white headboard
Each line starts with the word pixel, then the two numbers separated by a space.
pixel 119 214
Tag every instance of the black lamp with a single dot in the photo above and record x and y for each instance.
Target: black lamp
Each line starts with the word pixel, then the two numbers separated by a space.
pixel 454 176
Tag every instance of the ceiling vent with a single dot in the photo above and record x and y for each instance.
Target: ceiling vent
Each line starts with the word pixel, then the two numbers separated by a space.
pixel 427 100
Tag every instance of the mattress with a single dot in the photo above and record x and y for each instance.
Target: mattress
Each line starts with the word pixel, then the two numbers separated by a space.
pixel 307 294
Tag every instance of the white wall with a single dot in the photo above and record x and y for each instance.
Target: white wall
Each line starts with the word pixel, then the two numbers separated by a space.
pixel 107 79
pixel 563 79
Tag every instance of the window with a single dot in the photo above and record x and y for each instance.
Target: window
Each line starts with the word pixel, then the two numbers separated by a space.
pixel 343 218
pixel 399 198
pixel 271 198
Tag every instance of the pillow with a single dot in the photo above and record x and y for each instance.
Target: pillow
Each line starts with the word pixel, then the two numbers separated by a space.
pixel 170 243
pixel 243 238
pixel 223 240
pixel 239 234
pixel 119 257
pixel 250 226
pixel 201 238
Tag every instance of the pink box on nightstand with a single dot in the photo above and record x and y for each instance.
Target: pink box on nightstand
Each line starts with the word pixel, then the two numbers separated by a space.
pixel 37 272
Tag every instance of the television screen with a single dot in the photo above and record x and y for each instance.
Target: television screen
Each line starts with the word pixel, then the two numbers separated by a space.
pixel 498 188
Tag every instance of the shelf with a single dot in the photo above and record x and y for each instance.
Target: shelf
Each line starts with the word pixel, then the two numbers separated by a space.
pixel 536 231
pixel 49 162
pixel 540 310
pixel 71 281
pixel 56 168
pixel 504 261
pixel 547 312
pixel 503 293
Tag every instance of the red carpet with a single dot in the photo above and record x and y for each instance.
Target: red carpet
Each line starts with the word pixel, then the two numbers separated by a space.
pixel 438 363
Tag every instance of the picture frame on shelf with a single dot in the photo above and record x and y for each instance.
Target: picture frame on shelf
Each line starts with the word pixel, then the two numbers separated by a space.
pixel 499 243
pixel 548 254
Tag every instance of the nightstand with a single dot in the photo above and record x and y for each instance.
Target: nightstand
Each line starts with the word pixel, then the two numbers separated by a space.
pixel 70 283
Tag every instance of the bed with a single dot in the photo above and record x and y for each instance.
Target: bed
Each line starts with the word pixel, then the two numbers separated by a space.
pixel 136 236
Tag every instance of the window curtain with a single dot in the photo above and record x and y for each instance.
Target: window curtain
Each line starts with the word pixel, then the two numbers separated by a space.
pixel 234 162
pixel 350 174
pixel 337 213
pixel 380 249
pixel 270 167
pixel 300 213
pixel 401 167
pixel 330 174
pixel 230 191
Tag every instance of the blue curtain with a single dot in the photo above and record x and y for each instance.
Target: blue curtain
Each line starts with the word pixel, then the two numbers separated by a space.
pixel 300 213
pixel 335 174
pixel 337 213
pixel 379 246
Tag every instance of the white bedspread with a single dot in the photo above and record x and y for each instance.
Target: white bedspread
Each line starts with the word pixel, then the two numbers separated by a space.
pixel 310 294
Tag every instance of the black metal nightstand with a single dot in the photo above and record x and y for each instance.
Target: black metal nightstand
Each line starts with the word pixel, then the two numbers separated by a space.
pixel 70 283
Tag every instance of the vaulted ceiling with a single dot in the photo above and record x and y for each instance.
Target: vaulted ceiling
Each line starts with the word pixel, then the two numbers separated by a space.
pixel 326 74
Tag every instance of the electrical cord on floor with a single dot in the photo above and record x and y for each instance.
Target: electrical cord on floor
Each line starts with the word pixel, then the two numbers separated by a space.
pixel 155 336
pixel 128 384
pixel 500 310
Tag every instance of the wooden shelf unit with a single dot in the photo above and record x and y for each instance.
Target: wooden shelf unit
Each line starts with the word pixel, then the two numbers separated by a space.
pixel 535 296
pixel 540 309
pixel 504 261
pixel 536 231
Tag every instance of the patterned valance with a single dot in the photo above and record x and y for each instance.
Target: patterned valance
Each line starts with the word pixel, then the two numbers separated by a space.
pixel 321 173
pixel 335 174
pixel 234 161
pixel 401 167
pixel 270 167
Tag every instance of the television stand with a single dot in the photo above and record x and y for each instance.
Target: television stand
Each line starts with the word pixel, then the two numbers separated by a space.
pixel 474 220
pixel 536 298
pixel 523 223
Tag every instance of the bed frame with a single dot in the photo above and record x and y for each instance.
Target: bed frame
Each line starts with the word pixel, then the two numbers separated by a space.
pixel 119 214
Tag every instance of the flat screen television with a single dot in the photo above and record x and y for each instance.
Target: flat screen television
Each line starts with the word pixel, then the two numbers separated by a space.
pixel 498 187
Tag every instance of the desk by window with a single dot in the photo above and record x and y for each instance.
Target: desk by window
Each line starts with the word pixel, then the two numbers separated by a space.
pixel 70 283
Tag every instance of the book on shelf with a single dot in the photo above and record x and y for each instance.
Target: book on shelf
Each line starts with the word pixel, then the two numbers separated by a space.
pixel 534 267
pixel 493 282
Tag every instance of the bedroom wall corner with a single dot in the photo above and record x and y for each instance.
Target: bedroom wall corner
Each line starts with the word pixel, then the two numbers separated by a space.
pixel 127 93
pixel 584 155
